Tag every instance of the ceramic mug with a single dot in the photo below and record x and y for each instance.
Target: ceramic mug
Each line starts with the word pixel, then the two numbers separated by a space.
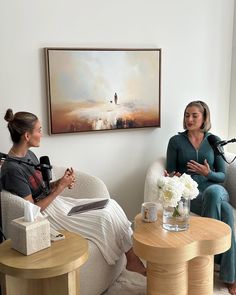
pixel 149 212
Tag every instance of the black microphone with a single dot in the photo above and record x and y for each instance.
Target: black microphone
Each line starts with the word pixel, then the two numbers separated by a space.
pixel 45 168
pixel 216 145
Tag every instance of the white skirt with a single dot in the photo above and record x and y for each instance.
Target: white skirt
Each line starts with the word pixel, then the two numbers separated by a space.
pixel 108 228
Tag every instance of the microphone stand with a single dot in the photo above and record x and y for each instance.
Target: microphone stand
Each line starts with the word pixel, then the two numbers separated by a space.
pixel 227 161
pixel 222 154
pixel 5 157
pixel 222 143
pixel 39 167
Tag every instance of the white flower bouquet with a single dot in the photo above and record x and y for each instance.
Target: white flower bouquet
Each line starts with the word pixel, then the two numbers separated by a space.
pixel 172 189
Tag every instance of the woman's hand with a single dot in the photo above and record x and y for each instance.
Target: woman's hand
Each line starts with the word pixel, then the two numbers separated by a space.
pixel 171 174
pixel 68 179
pixel 71 173
pixel 202 169
pixel 57 187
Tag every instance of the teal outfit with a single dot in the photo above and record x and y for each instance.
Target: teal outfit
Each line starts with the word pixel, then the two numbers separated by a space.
pixel 213 199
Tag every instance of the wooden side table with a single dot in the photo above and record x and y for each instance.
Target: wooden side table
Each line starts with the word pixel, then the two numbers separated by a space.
pixel 53 271
pixel 180 262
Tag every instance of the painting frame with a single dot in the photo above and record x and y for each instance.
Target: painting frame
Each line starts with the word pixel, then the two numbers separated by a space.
pixel 98 89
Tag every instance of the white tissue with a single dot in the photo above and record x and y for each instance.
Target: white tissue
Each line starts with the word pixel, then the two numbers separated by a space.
pixel 31 211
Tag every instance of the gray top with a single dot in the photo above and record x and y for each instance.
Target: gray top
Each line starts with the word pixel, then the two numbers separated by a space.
pixel 22 179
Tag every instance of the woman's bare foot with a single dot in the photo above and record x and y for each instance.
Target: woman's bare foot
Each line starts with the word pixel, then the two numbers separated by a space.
pixel 134 263
pixel 231 288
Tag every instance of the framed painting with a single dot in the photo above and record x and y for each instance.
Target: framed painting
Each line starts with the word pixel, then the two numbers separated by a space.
pixel 102 89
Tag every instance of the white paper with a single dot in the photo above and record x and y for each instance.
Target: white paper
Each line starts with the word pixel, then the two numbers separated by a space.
pixel 31 211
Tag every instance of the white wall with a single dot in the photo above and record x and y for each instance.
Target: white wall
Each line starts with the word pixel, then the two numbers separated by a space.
pixel 196 41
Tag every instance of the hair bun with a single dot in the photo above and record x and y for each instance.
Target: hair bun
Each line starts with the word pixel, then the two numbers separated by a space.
pixel 9 116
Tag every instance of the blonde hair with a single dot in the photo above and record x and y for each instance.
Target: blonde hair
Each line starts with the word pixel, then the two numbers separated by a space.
pixel 204 109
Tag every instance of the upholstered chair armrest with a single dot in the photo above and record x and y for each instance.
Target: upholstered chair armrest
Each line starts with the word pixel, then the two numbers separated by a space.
pixel 12 208
pixel 86 185
pixel 153 173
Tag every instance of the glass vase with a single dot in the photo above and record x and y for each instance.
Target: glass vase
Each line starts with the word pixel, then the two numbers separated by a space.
pixel 177 218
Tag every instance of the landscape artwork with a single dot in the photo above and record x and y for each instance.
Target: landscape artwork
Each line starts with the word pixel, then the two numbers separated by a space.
pixel 102 89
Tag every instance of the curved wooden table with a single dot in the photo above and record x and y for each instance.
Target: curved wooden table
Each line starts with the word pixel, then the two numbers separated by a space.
pixel 54 270
pixel 180 262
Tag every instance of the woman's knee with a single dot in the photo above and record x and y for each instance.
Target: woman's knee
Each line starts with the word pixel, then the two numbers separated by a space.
pixel 215 194
pixel 227 214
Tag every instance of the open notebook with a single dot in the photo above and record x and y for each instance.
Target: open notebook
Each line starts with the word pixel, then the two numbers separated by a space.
pixel 89 206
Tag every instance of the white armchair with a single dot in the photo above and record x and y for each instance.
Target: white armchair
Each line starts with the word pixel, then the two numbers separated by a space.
pixel 157 168
pixel 95 275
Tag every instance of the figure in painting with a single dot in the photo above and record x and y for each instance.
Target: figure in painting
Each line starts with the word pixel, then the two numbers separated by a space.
pixel 115 98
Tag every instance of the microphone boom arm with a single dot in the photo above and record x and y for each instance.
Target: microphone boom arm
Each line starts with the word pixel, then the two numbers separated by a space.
pixel 5 157
pixel 224 142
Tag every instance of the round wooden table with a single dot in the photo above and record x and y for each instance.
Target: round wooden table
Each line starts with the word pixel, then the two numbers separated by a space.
pixel 53 271
pixel 180 262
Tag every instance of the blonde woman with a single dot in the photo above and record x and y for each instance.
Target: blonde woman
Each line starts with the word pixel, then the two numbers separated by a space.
pixel 190 152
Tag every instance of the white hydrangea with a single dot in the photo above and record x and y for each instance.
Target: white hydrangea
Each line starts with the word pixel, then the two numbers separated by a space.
pixel 190 187
pixel 171 189
pixel 162 181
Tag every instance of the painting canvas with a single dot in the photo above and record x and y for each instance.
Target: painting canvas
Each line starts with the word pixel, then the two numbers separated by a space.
pixel 102 89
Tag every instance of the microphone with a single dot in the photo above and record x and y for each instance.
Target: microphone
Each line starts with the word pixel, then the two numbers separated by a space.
pixel 217 145
pixel 45 168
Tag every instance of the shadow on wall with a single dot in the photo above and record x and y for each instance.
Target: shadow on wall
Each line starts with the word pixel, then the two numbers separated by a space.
pixel 123 190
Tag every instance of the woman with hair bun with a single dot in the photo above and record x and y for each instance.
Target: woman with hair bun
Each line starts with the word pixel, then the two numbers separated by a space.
pixel 113 229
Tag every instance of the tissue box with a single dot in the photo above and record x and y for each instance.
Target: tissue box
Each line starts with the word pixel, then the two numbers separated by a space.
pixel 30 237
